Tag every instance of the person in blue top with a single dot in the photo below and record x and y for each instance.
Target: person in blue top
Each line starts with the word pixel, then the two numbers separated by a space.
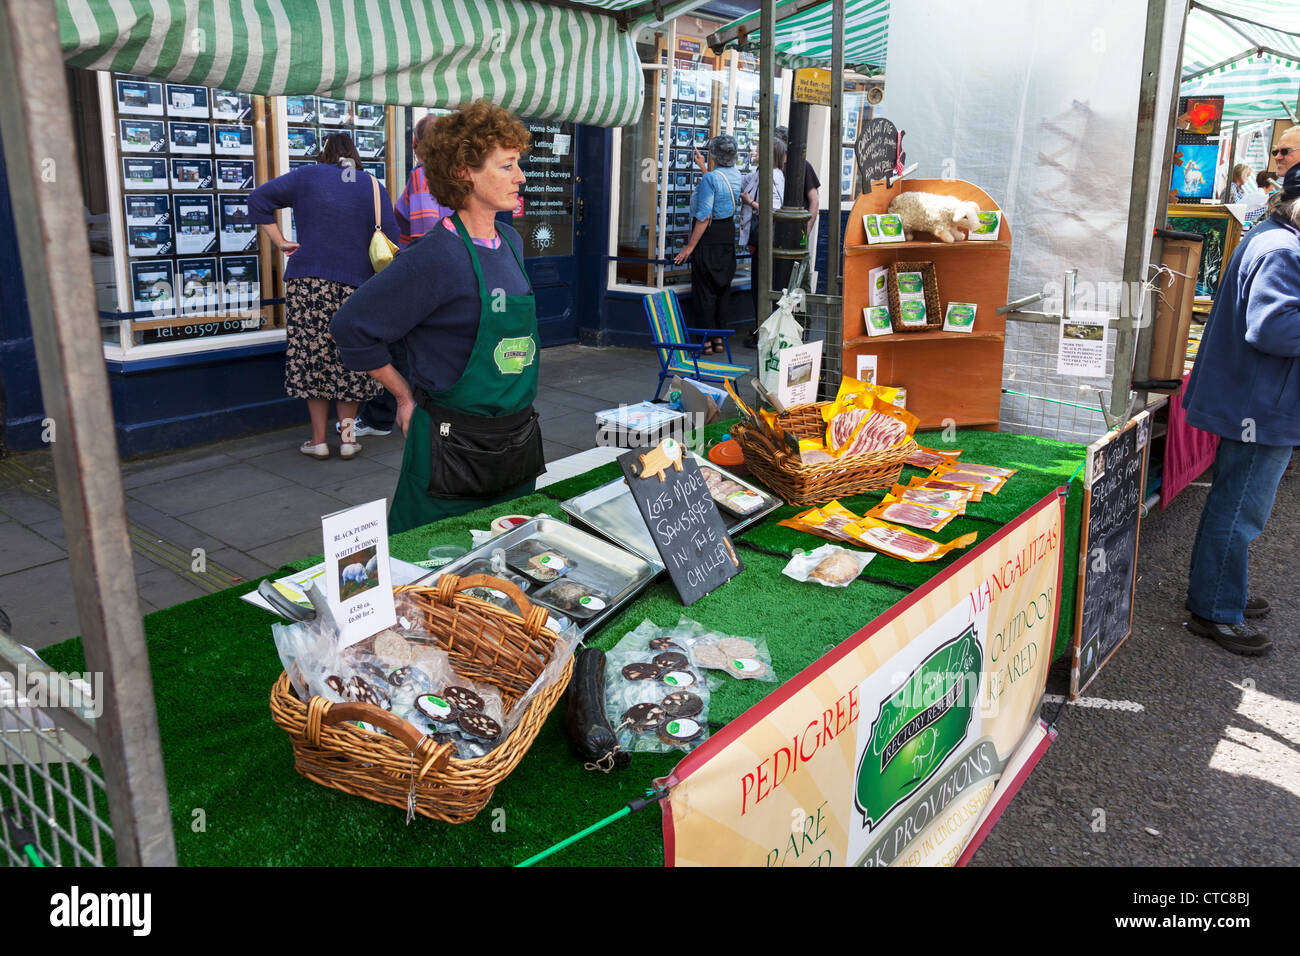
pixel 1245 388
pixel 333 205
pixel 711 249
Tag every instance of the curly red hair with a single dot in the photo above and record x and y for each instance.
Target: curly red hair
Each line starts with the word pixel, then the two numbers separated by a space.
pixel 462 139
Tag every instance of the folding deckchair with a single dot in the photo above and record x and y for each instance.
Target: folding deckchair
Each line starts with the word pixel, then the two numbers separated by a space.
pixel 678 355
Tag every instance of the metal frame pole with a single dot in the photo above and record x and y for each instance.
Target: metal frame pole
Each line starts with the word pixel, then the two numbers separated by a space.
pixel 833 250
pixel 1139 190
pixel 767 130
pixel 50 219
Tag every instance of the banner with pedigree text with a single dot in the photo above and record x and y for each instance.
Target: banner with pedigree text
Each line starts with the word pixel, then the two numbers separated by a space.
pixel 896 747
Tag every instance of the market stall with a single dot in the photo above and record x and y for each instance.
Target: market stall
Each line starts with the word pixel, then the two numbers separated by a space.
pixel 215 664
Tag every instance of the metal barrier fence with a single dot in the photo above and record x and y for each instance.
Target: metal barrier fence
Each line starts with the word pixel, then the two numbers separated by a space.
pixel 53 802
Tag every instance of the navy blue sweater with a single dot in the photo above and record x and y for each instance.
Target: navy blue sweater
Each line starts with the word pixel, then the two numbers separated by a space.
pixel 428 298
pixel 1246 381
pixel 335 217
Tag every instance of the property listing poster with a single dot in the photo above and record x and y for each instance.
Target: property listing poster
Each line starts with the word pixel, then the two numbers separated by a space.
pixel 544 216
pixel 894 748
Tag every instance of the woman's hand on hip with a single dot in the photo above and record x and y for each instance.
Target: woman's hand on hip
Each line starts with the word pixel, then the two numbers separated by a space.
pixel 288 248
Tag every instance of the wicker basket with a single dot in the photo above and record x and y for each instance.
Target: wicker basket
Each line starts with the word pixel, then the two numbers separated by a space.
pixel 930 285
pixel 815 484
pixel 485 643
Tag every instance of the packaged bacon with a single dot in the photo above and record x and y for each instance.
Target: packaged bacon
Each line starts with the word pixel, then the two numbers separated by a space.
pixel 937 497
pixel 912 514
pixel 976 492
pixel 990 483
pixel 986 469
pixel 929 457
pixel 874 426
pixel 827 522
pixel 903 544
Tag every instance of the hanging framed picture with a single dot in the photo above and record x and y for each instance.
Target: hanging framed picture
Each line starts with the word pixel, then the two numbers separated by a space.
pixel 191 174
pixel 235 174
pixel 144 172
pixel 196 223
pixel 191 101
pixel 141 136
pixel 189 137
pixel 152 289
pixel 139 97
pixel 234 140
pixel 237 233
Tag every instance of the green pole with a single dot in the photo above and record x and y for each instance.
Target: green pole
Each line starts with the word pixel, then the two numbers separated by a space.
pixel 640 803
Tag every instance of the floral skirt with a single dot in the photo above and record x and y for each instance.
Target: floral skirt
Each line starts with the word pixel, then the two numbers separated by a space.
pixel 312 368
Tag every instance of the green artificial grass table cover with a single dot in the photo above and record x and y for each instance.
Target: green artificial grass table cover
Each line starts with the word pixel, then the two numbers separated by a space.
pixel 213 663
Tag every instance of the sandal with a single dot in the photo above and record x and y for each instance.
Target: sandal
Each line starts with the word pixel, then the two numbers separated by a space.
pixel 719 346
pixel 708 349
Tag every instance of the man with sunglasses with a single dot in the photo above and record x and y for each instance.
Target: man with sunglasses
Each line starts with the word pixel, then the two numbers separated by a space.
pixel 1287 151
pixel 1245 388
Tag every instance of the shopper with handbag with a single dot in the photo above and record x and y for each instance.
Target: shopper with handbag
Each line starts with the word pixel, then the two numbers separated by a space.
pixel 342 215
pixel 461 301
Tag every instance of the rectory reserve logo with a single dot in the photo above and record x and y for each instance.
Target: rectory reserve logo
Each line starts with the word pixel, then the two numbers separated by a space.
pixel 514 355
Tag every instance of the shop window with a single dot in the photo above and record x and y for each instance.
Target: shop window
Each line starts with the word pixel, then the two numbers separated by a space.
pixel 691 96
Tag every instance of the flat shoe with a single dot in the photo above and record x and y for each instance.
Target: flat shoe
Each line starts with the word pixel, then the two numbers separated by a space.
pixel 315 451
pixel 348 448
pixel 1240 638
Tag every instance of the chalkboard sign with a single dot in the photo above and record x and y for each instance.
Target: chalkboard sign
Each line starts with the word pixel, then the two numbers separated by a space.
pixel 684 523
pixel 879 151
pixel 1114 479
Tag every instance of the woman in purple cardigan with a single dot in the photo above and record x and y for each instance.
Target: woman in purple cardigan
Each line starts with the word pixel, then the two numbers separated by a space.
pixel 333 209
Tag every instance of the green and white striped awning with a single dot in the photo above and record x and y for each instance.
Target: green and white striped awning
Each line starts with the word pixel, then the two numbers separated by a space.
pixel 1222 32
pixel 536 59
pixel 804 39
pixel 1252 89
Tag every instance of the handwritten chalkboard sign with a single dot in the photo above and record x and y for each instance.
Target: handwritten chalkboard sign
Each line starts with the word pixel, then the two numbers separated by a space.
pixel 1114 479
pixel 684 523
pixel 878 152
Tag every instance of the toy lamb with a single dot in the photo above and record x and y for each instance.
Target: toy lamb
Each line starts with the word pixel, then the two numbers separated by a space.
pixel 948 218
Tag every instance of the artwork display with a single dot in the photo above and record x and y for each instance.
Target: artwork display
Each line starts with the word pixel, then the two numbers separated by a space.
pixel 1193 172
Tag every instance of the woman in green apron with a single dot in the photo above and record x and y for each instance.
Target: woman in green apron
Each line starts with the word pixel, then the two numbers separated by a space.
pixel 461 301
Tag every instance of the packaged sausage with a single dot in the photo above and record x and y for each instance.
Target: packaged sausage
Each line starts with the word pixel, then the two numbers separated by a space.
pixel 900 543
pixel 929 457
pixel 948 498
pixel 955 472
pixel 913 514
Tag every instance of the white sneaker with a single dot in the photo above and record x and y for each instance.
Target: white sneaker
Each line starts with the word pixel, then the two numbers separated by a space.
pixel 362 429
pixel 348 431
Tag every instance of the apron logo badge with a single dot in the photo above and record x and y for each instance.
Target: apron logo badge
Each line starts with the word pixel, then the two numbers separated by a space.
pixel 512 356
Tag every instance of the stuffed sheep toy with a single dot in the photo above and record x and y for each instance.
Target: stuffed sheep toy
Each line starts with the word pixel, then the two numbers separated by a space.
pixel 947 217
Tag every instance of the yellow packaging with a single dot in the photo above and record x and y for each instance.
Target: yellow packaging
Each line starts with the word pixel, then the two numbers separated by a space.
pixel 825 522
pixel 955 472
pixel 866 411
pixel 927 517
pixel 901 543
pixel 974 491
pixel 929 457
pixel 949 498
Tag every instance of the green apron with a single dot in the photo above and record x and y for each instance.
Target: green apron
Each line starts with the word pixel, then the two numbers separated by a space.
pixel 499 379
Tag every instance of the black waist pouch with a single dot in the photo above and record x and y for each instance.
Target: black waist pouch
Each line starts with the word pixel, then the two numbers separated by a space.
pixel 480 456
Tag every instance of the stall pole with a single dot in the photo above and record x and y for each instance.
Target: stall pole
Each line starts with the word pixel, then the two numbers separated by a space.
pixel 767 130
pixel 1138 228
pixel 1143 362
pixel 50 219
pixel 833 251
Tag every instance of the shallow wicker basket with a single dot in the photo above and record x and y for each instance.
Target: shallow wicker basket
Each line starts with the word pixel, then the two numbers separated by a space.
pixel 801 484
pixel 485 643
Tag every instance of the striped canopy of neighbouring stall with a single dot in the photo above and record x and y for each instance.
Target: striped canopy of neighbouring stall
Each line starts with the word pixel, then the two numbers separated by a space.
pixel 804 38
pixel 571 61
pixel 1247 51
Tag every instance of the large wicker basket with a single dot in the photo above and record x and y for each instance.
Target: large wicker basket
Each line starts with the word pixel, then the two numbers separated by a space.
pixel 803 484
pixel 485 643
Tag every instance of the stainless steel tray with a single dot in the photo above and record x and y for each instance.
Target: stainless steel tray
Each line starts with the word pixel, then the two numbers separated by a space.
pixel 610 511
pixel 615 571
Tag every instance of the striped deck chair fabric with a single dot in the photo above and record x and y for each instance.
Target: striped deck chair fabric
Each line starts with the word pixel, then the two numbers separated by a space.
pixel 679 355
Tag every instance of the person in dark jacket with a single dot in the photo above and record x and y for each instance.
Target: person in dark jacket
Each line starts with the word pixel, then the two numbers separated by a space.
pixel 333 202
pixel 1245 388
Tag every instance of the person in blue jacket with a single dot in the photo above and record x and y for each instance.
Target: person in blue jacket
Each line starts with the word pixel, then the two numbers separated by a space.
pixel 1245 388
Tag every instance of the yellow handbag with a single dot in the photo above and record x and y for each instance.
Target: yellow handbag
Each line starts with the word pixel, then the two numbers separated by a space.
pixel 381 249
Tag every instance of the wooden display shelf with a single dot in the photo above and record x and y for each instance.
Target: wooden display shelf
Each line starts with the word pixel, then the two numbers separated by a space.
pixel 949 376
pixel 964 245
pixel 900 338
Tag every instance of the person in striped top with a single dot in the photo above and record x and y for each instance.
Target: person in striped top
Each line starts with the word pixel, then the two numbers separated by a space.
pixel 417 210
